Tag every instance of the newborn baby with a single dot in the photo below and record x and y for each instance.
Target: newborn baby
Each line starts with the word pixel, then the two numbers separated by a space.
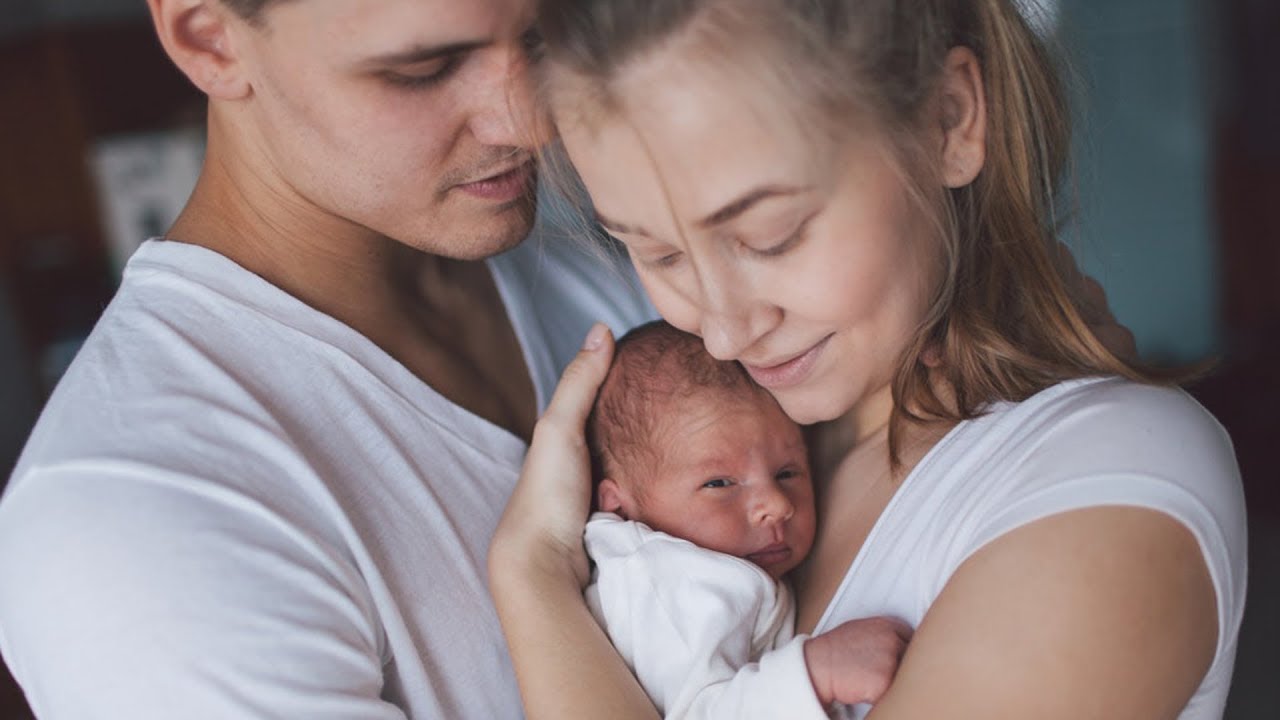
pixel 705 505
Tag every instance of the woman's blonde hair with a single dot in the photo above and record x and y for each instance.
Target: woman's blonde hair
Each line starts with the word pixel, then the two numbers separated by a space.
pixel 1004 321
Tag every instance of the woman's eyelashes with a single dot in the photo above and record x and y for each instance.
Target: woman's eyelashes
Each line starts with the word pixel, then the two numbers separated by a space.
pixel 796 237
pixel 667 261
pixel 777 249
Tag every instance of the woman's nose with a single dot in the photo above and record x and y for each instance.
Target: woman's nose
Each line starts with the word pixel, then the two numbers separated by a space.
pixel 725 335
pixel 732 316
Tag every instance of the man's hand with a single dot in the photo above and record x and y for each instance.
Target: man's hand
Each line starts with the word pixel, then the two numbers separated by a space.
pixel 856 661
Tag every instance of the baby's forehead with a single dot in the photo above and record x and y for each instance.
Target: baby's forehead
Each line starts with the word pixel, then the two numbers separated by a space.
pixel 696 425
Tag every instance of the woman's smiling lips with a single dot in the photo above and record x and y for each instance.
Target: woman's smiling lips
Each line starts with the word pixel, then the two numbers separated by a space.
pixel 789 372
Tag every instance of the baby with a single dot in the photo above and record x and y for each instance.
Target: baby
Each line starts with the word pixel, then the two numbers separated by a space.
pixel 705 505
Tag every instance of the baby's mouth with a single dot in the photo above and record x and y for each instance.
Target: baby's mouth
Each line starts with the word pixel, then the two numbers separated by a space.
pixel 770 555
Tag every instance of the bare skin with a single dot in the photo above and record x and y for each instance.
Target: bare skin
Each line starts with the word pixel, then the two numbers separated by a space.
pixel 355 207
pixel 733 477
pixel 441 318
pixel 850 500
pixel 1131 632
pixel 1100 612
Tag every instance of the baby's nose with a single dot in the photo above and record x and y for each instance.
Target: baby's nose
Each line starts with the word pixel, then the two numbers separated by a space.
pixel 774 506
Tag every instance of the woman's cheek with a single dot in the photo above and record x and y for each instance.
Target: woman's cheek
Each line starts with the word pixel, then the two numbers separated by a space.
pixel 672 305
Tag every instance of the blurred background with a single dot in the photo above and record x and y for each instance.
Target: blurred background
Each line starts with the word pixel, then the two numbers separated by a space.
pixel 1177 179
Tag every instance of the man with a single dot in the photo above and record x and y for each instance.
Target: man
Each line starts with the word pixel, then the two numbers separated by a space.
pixel 266 486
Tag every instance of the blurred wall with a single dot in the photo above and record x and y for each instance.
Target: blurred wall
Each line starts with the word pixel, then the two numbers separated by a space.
pixel 17 388
pixel 1142 157
pixel 22 15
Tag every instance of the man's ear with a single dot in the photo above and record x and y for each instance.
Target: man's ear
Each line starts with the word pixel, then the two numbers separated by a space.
pixel 612 497
pixel 962 114
pixel 197 35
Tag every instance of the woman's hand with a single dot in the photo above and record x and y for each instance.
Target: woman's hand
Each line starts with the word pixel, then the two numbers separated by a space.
pixel 541 529
pixel 564 662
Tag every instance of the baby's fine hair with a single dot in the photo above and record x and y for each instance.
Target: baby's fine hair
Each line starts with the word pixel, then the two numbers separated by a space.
pixel 653 365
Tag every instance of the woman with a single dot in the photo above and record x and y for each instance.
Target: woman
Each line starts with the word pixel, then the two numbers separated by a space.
pixel 855 200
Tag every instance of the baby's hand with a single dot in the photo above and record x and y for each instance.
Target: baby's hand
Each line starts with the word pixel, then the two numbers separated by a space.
pixel 856 661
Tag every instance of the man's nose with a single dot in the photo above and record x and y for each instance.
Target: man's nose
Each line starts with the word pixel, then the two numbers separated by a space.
pixel 506 111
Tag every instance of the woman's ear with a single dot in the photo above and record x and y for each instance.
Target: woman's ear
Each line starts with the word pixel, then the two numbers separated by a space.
pixel 612 497
pixel 197 35
pixel 962 114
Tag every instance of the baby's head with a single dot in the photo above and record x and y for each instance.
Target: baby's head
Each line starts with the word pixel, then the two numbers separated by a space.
pixel 689 445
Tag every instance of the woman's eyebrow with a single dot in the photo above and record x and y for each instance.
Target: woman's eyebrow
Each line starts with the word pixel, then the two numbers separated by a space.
pixel 617 227
pixel 747 201
pixel 719 217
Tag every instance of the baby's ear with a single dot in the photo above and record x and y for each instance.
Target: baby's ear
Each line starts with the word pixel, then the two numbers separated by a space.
pixel 610 497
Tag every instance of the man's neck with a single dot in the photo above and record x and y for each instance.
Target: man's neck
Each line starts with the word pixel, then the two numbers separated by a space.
pixel 443 319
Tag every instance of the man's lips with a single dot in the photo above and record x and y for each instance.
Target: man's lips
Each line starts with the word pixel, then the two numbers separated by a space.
pixel 501 186
pixel 791 371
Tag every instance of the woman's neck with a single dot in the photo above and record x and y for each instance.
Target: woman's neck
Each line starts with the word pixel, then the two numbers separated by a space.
pixel 870 416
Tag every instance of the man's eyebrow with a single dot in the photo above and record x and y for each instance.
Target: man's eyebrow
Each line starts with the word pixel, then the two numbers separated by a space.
pixel 423 53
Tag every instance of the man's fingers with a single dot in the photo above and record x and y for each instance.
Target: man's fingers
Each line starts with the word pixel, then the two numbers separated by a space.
pixel 580 382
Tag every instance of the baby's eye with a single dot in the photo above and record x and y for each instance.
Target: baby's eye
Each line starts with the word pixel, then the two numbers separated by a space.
pixel 787 474
pixel 717 483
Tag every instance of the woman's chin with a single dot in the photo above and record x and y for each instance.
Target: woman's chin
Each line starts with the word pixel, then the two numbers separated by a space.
pixel 807 407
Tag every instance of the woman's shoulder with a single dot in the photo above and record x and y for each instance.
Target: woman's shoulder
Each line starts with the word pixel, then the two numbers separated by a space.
pixel 1087 443
pixel 1134 419
pixel 1100 442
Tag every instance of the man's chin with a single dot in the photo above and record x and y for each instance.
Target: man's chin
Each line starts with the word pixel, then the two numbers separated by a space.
pixel 503 238
pixel 481 236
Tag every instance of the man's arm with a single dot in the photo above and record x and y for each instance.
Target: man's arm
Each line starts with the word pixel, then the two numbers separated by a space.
pixel 144 595
pixel 1102 612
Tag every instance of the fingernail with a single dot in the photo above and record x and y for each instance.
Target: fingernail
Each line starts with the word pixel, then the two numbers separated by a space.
pixel 595 338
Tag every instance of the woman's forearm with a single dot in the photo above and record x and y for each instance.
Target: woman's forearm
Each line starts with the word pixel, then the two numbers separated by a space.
pixel 564 662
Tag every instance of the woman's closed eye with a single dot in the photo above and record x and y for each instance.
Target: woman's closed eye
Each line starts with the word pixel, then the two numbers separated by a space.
pixel 657 257
pixel 792 240
pixel 666 261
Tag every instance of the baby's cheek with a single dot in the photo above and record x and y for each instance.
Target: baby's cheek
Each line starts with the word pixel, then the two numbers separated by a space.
pixel 720 531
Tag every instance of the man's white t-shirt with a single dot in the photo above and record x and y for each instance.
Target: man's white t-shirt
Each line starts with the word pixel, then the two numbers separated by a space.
pixel 708 635
pixel 234 506
pixel 1083 443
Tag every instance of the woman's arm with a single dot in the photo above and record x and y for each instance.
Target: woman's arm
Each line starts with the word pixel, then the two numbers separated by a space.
pixel 1102 612
pixel 564 663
